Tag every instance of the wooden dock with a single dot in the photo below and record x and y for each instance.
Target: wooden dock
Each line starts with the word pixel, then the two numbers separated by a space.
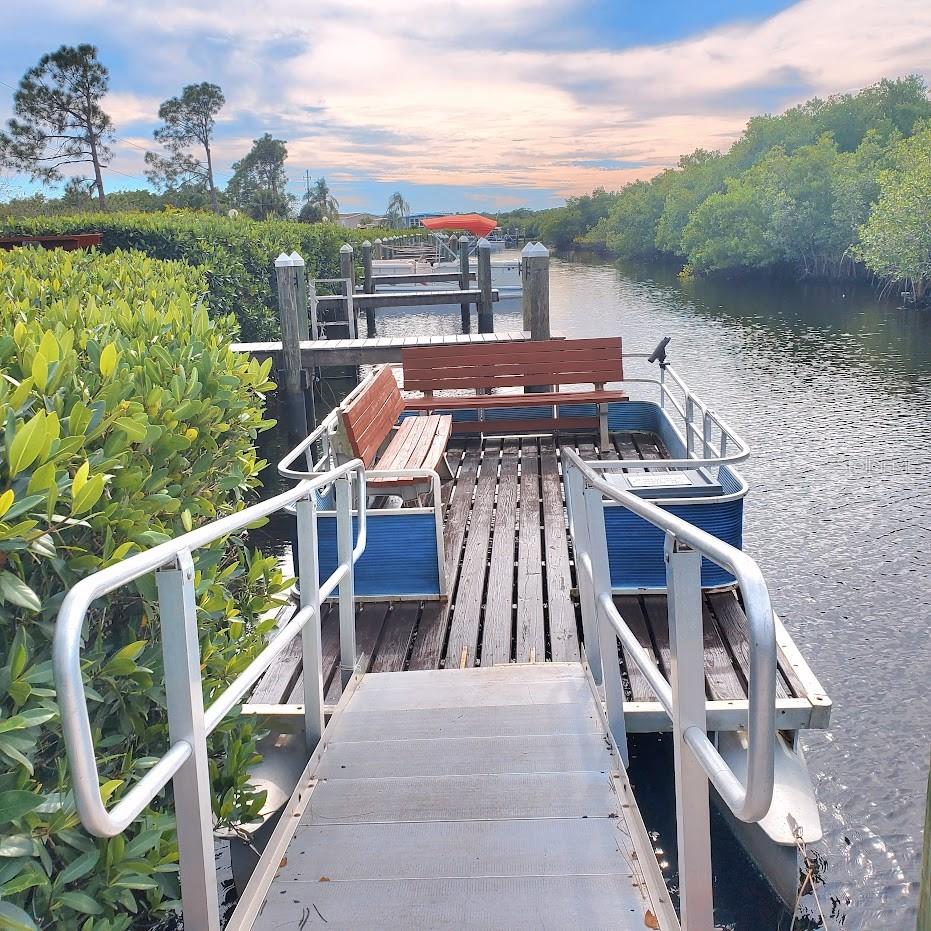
pixel 492 798
pixel 513 598
pixel 368 351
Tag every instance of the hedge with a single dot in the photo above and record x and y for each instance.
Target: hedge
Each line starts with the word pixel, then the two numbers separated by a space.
pixel 127 420
pixel 237 254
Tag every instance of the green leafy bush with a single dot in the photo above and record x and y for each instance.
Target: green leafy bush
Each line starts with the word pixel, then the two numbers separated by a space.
pixel 127 419
pixel 237 255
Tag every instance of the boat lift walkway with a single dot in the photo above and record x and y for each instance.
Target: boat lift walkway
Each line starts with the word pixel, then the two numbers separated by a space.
pixel 489 798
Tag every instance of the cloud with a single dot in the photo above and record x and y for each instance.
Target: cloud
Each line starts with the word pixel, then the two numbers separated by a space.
pixel 410 93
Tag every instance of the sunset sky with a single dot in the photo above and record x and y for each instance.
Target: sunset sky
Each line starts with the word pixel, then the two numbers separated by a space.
pixel 485 104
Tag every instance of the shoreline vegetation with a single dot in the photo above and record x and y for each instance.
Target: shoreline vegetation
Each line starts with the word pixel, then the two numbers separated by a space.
pixel 831 189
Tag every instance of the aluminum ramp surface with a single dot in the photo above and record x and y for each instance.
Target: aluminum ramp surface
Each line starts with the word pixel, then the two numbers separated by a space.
pixel 485 797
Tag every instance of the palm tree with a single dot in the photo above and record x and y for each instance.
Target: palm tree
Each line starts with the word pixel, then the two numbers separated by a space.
pixel 321 198
pixel 398 208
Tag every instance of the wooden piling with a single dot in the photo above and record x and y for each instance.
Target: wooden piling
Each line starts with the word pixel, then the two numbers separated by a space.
pixel 368 286
pixel 486 320
pixel 464 281
pixel 348 274
pixel 289 270
pixel 535 273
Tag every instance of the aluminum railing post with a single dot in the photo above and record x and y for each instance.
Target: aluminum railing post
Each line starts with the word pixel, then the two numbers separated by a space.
pixel 191 784
pixel 347 608
pixel 578 531
pixel 607 638
pixel 309 576
pixel 688 425
pixel 686 642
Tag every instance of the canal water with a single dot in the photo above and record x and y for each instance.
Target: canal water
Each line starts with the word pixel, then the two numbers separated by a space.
pixel 832 389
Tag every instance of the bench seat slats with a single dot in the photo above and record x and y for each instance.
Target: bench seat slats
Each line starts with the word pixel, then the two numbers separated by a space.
pixel 486 401
pixel 417 442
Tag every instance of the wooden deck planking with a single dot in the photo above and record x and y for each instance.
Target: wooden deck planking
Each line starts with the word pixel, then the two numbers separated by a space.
pixel 530 644
pixel 470 589
pixel 511 586
pixel 499 602
pixel 630 609
pixel 564 634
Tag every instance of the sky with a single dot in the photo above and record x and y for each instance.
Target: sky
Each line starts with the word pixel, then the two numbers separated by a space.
pixel 468 104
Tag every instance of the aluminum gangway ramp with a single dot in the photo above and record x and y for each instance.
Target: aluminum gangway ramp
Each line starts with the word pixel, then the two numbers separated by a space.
pixel 485 798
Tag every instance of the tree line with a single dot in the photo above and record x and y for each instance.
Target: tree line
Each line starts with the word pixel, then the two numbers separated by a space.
pixel 829 189
pixel 60 125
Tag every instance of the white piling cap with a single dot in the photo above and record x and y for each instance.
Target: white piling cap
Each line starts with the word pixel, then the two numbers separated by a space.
pixel 534 249
pixel 366 243
pixel 483 243
pixel 297 260
pixel 283 261
pixel 463 238
pixel 378 241
pixel 345 247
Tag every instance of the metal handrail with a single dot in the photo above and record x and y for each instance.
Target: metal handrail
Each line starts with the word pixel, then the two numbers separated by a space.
pixel 748 801
pixel 72 700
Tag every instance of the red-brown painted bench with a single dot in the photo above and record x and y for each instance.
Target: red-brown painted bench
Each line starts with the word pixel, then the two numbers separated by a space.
pixel 551 362
pixel 367 424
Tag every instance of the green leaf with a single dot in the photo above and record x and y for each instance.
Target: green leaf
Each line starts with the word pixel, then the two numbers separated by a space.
pixel 27 443
pixel 132 428
pixel 79 867
pixel 17 845
pixel 17 592
pixel 31 718
pixel 33 876
pixel 80 478
pixel 88 496
pixel 15 919
pixel 79 902
pixel 16 803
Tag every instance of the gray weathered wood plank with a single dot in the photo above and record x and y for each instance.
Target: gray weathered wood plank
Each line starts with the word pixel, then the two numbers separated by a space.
pixel 564 636
pixel 530 634
pixel 499 601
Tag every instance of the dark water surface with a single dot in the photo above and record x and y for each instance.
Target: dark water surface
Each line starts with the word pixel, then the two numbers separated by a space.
pixel 833 392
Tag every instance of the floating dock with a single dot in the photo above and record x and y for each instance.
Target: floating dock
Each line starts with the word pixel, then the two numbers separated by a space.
pixel 497 586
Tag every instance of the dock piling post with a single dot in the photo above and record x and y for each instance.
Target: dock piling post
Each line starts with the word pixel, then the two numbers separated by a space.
pixel 368 286
pixel 293 317
pixel 686 641
pixel 464 309
pixel 535 271
pixel 486 319
pixel 378 249
pixel 348 274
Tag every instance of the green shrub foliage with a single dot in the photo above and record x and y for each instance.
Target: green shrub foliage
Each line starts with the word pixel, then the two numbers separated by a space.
pixel 127 419
pixel 237 254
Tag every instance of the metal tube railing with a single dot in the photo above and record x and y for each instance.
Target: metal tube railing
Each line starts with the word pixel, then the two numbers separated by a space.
pixel 683 699
pixel 190 723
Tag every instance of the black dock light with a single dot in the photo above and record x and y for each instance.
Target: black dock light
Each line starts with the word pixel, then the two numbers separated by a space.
pixel 659 354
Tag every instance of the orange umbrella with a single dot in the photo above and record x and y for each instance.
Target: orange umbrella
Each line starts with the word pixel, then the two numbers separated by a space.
pixel 473 223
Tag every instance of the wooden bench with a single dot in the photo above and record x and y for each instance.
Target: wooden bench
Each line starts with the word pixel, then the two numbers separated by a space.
pixel 366 424
pixel 552 362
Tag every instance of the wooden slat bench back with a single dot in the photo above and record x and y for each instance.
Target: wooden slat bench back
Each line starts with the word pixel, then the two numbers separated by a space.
pixel 369 417
pixel 509 365
pixel 417 443
pixel 552 363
